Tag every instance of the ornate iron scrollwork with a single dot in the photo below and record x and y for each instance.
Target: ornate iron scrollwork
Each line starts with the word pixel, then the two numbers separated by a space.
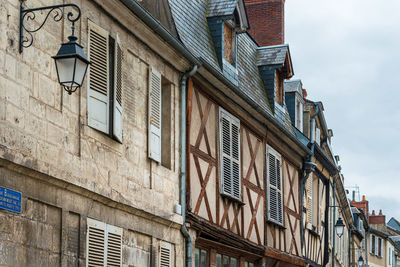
pixel 26 15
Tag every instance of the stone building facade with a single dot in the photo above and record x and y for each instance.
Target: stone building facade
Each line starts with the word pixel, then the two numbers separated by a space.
pixel 73 176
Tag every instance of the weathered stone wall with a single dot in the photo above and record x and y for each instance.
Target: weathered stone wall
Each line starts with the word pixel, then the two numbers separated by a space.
pixel 51 228
pixel 45 131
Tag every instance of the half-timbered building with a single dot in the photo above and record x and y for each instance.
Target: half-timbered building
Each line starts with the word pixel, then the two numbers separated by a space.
pixel 244 161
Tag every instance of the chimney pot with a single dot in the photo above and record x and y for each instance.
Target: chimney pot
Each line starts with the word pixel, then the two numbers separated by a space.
pixel 373 212
pixel 380 212
pixel 363 198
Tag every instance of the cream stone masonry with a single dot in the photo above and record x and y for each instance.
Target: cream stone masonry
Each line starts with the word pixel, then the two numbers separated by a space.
pixel 45 137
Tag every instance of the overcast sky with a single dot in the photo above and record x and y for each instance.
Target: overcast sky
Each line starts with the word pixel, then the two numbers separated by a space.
pixel 347 53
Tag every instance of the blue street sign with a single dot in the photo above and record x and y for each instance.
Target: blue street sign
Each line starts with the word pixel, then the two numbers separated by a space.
pixel 10 200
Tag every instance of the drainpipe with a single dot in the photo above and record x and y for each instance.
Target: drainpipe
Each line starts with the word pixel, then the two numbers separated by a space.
pixel 309 167
pixel 333 228
pixel 184 230
pixel 349 249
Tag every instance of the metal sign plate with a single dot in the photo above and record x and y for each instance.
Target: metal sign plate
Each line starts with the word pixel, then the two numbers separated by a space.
pixel 10 200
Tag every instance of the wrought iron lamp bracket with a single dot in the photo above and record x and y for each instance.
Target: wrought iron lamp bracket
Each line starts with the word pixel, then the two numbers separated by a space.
pixel 26 15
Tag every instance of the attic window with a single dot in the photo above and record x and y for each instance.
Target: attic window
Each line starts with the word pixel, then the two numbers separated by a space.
pixel 229 43
pixel 279 87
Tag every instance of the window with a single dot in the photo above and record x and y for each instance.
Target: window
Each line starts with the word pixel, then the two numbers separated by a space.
pixel 200 258
pixel 159 118
pixel 379 247
pixel 103 244
pixel 226 261
pixel 229 147
pixel 278 87
pixel 165 256
pixel 372 244
pixel 104 99
pixel 274 186
pixel 248 264
pixel 229 43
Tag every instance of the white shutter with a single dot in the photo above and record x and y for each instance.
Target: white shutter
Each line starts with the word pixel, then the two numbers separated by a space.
pixel 318 135
pixel 98 79
pixel 376 245
pixel 154 115
pixel 114 246
pixel 229 128
pixel 117 109
pixel 95 246
pixel 104 245
pixel 309 200
pixel 165 256
pixel 274 183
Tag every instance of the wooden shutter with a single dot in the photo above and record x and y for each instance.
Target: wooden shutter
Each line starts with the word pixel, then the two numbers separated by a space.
pixel 165 256
pixel 114 246
pixel 117 109
pixel 274 183
pixel 229 128
pixel 98 79
pixel 96 240
pixel 154 115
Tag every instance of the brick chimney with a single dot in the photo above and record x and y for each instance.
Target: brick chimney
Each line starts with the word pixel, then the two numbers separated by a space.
pixel 361 205
pixel 267 21
pixel 377 219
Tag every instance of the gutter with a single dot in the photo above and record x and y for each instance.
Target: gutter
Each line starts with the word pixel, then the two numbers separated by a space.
pixel 184 230
pixel 158 28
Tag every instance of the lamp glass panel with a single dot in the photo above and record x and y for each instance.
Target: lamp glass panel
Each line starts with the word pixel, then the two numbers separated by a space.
pixel 339 230
pixel 80 71
pixel 65 69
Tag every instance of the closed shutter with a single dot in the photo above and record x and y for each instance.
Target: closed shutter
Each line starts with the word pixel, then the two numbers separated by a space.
pixel 154 115
pixel 274 182
pixel 114 251
pixel 165 258
pixel 320 202
pixel 376 245
pixel 98 79
pixel 104 244
pixel 229 128
pixel 117 109
pixel 309 196
pixel 95 243
pixel 318 136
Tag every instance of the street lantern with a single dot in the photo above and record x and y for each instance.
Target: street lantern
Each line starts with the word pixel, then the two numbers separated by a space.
pixel 71 62
pixel 360 261
pixel 339 226
pixel 71 65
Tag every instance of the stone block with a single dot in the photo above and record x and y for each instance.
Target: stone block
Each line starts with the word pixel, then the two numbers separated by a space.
pixel 55 134
pixel 35 126
pixel 47 89
pixel 37 107
pixel 15 115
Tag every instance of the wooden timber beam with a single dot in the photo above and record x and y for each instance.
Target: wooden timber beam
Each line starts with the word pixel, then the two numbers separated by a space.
pixel 282 256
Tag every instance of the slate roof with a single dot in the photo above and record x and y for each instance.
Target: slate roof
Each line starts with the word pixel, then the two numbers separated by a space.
pixel 272 55
pixel 396 241
pixel 221 8
pixel 293 86
pixel 190 19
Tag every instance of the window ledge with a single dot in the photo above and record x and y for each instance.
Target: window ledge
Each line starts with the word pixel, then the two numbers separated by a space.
pixel 276 224
pixel 239 201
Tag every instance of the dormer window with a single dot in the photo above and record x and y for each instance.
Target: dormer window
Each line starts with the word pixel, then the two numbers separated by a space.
pixel 225 22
